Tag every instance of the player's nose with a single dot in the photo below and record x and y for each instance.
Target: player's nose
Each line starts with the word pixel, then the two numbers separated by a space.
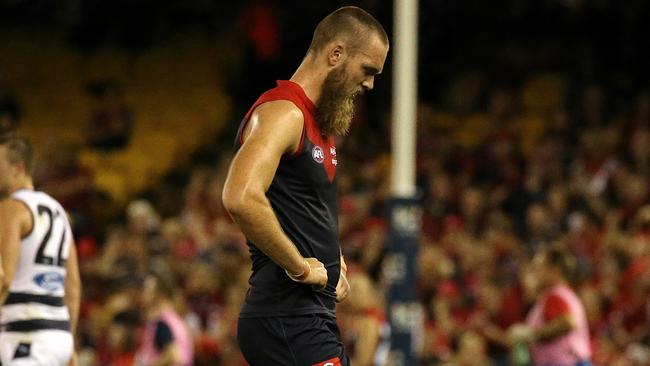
pixel 368 83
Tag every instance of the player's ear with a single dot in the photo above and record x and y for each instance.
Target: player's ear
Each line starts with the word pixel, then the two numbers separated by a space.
pixel 20 168
pixel 336 54
pixel 15 169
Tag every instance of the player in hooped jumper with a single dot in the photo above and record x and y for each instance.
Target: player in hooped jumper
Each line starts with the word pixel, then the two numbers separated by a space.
pixel 40 277
pixel 281 192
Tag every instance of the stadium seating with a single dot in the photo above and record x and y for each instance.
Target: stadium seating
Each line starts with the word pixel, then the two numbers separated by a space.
pixel 173 91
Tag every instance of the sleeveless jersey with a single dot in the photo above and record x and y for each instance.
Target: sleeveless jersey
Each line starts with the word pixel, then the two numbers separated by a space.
pixel 35 300
pixel 304 198
pixel 570 348
pixel 148 353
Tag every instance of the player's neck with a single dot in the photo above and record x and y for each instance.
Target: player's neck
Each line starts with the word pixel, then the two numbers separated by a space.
pixel 556 282
pixel 310 77
pixel 25 183
pixel 159 307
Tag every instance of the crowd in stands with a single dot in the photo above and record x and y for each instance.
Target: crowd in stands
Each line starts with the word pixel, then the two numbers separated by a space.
pixel 506 165
pixel 502 181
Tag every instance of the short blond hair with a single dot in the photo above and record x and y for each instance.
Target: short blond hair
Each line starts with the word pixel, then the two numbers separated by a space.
pixel 19 150
pixel 350 23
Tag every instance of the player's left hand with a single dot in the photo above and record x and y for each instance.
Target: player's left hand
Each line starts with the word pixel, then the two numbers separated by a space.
pixel 343 287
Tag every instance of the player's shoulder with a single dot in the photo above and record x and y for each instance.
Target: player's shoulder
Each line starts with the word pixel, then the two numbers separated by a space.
pixel 278 110
pixel 33 200
pixel 10 203
pixel 34 197
pixel 14 210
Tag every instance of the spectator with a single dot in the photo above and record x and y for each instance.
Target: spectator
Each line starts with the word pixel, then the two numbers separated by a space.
pixel 366 330
pixel 556 327
pixel 166 338
pixel 121 340
pixel 471 351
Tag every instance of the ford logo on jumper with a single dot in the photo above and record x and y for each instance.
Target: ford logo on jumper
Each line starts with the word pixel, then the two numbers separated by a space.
pixel 51 281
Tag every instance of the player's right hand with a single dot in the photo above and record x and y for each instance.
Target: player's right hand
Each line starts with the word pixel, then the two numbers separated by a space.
pixel 314 274
pixel 317 274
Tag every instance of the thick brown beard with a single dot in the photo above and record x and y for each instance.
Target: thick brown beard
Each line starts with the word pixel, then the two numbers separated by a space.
pixel 336 106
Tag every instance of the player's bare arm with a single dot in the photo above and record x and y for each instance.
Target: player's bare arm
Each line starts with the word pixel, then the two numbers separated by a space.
pixel 72 295
pixel 274 130
pixel 366 345
pixel 16 222
pixel 169 356
pixel 555 328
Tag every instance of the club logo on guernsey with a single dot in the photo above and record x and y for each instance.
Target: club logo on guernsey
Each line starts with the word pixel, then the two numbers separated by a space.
pixel 50 281
pixel 317 154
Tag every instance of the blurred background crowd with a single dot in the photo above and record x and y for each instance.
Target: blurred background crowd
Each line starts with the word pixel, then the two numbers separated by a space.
pixel 533 130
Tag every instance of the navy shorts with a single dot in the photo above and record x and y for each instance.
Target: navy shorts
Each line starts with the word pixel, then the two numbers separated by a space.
pixel 303 340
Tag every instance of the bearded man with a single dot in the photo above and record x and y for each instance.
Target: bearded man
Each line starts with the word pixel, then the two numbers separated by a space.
pixel 281 192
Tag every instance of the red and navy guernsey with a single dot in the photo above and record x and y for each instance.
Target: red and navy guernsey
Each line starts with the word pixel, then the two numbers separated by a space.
pixel 304 198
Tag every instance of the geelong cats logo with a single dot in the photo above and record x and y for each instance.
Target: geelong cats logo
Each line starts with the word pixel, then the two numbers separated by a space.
pixel 317 154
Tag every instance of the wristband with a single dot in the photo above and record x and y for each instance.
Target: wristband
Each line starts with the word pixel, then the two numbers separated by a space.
pixel 300 277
